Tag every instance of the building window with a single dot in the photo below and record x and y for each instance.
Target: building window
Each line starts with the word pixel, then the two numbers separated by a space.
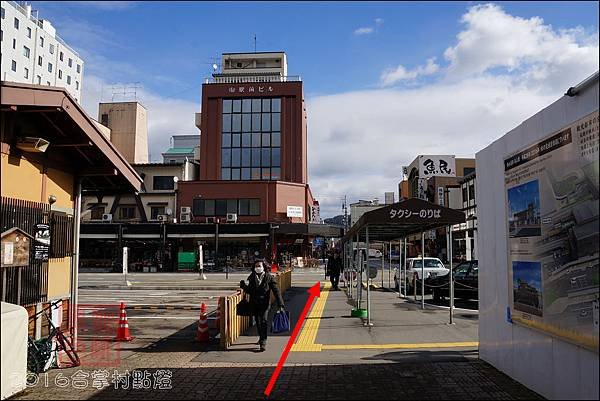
pixel 221 207
pixel 68 80
pixel 26 75
pixel 97 212
pixel 59 74
pixel 126 212
pixel 28 32
pixel 39 79
pixel 70 62
pixel 251 139
pixel 48 83
pixel 14 66
pixel 14 43
pixel 77 85
pixel 104 120
pixel 1 35
pixel 26 51
pixel 78 68
pixel 41 41
pixel 471 192
pixel 51 49
pixel 61 56
pixel 16 23
pixel 163 182
pixel 155 211
pixel 40 61
pixel 49 67
pixel 3 13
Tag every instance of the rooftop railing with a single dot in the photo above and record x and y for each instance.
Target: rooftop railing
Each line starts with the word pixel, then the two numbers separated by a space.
pixel 250 78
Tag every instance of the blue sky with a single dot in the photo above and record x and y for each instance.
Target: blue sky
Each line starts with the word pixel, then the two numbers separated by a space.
pixel 529 272
pixel 521 196
pixel 374 73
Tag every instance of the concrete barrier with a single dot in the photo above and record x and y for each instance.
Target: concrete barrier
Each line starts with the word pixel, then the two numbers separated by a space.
pixel 232 326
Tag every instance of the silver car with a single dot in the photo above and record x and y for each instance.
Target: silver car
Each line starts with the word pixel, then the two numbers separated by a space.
pixel 433 268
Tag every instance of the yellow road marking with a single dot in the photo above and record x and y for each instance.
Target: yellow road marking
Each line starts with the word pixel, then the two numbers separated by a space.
pixel 308 335
pixel 399 346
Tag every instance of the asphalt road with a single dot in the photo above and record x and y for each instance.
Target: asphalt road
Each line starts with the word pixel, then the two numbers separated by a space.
pixel 158 305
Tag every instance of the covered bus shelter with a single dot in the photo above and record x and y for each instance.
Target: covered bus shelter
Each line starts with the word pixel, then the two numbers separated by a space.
pixel 393 222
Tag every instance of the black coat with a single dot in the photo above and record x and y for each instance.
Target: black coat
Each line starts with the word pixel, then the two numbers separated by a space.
pixel 260 293
pixel 335 266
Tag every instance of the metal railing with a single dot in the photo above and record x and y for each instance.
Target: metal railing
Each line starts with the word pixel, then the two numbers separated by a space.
pixel 251 78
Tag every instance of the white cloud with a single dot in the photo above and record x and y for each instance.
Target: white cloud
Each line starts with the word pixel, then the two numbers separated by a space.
pixel 363 31
pixel 369 29
pixel 400 73
pixel 501 70
pixel 527 48
pixel 104 5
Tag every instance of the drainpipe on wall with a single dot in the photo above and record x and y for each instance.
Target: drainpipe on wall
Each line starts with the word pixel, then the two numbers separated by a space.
pixel 75 264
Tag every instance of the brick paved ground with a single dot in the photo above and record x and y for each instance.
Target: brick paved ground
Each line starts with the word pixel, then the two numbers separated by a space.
pixel 428 381
pixel 204 373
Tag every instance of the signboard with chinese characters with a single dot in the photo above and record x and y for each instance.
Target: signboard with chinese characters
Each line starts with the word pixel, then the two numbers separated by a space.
pixel 294 211
pixel 244 89
pixel 552 209
pixel 440 194
pixel 437 166
pixel 42 241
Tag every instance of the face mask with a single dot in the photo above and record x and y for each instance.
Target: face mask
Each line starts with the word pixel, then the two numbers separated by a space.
pixel 259 269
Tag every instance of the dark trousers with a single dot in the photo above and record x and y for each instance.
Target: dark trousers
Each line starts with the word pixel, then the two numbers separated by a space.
pixel 261 317
pixel 335 279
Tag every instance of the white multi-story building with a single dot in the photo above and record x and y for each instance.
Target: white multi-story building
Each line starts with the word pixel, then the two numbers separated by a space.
pixel 33 53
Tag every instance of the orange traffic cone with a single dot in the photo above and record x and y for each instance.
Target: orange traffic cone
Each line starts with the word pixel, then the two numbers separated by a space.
pixel 123 328
pixel 202 333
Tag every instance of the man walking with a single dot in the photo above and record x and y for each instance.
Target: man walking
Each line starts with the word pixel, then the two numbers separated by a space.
pixel 335 269
pixel 259 287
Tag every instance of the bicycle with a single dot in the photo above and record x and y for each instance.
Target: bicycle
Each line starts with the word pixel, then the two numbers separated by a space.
pixel 43 354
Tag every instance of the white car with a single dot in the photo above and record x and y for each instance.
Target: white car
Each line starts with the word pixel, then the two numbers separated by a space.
pixel 433 268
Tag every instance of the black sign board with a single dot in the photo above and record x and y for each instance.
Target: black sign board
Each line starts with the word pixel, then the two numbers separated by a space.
pixel 42 241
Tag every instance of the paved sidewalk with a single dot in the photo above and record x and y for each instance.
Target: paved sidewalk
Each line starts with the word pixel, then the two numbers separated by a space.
pixel 394 368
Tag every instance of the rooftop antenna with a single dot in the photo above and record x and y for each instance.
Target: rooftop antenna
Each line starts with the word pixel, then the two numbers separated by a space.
pixel 254 43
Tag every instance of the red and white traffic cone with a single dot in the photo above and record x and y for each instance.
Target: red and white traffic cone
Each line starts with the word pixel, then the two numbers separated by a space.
pixel 123 328
pixel 202 333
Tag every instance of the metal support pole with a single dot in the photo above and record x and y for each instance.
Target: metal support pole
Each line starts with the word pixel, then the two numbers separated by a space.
pixel 422 270
pixel 451 279
pixel 382 263
pixel 75 264
pixel 368 278
pixel 390 266
pixel 360 270
pixel 404 268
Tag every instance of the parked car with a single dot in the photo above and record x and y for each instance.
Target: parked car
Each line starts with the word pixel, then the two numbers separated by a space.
pixel 433 268
pixel 375 253
pixel 465 282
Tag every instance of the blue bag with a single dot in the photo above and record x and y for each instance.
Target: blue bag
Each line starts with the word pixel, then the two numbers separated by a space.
pixel 281 322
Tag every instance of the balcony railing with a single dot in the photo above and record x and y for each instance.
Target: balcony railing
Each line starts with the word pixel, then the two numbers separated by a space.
pixel 240 79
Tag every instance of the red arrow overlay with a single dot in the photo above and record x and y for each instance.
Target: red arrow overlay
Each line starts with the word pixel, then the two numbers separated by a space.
pixel 314 291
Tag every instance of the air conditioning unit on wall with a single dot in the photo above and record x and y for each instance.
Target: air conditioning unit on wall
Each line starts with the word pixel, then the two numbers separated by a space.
pixel 162 218
pixel 186 217
pixel 107 217
pixel 232 217
pixel 186 209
